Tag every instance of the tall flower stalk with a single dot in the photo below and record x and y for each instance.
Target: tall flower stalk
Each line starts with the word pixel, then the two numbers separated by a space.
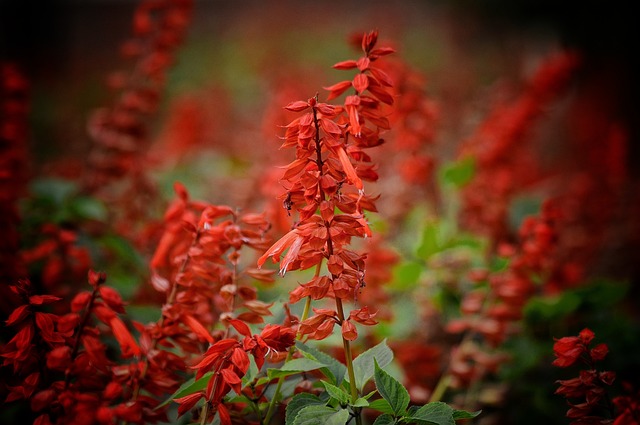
pixel 325 186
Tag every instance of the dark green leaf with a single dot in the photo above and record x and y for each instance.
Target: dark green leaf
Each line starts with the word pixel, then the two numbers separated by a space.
pixel 363 365
pixel 337 393
pixel 437 412
pixel 297 403
pixel 463 414
pixel 320 415
pixel 334 370
pixel 385 419
pixel 295 366
pixel 88 208
pixel 391 390
pixel 381 405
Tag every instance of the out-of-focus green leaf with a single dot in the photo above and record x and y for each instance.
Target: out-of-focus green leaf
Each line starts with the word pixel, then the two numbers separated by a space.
pixel 459 173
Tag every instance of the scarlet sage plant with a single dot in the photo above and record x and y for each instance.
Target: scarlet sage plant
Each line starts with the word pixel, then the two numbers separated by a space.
pixel 325 187
pixel 327 191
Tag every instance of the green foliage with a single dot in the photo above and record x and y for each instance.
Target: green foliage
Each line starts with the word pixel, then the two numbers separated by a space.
pixel 364 364
pixel 459 173
pixel 333 369
pixel 294 367
pixel 391 390
pixel 394 405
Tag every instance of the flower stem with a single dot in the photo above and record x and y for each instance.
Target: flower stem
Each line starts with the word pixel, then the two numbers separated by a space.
pixel 276 394
pixel 349 359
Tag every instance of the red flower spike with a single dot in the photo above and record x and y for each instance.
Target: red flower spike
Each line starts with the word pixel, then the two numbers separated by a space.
pixel 349 331
pixel 18 315
pixel 586 336
pixel 360 83
pixel 187 403
pixel 337 89
pixel 43 299
pixel 112 298
pixel 599 352
pixel 278 248
pixel 198 329
pixel 241 327
pixel 567 350
pixel 127 343
pixel 96 278
pixel 297 106
pixel 352 176
pixel 345 65
pixel 363 316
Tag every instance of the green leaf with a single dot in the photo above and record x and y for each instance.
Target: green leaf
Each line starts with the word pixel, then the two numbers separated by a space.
pixel 189 387
pixel 57 190
pixel 297 403
pixel 334 370
pixel 341 417
pixel 251 372
pixel 88 208
pixel 337 393
pixel 437 412
pixel 405 275
pixel 430 242
pixel 363 365
pixel 459 173
pixel 320 415
pixel 463 414
pixel 295 366
pixel 360 402
pixel 381 405
pixel 385 419
pixel 391 390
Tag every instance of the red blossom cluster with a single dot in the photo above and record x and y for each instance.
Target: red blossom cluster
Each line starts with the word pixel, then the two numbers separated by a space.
pixel 503 160
pixel 120 132
pixel 590 388
pixel 197 266
pixel 494 308
pixel 328 140
pixel 14 108
pixel 228 359
pixel 61 363
pixel 59 257
pixel 409 173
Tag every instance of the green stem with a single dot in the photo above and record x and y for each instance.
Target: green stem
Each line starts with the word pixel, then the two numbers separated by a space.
pixel 349 359
pixel 440 389
pixel 276 394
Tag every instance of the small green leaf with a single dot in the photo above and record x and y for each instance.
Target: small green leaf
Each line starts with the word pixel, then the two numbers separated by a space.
pixel 360 402
pixel 297 403
pixel 463 414
pixel 381 405
pixel 88 208
pixel 341 417
pixel 334 370
pixel 437 412
pixel 295 366
pixel 385 419
pixel 406 275
pixel 391 390
pixel 189 387
pixel 363 365
pixel 459 173
pixel 430 242
pixel 320 415
pixel 337 393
